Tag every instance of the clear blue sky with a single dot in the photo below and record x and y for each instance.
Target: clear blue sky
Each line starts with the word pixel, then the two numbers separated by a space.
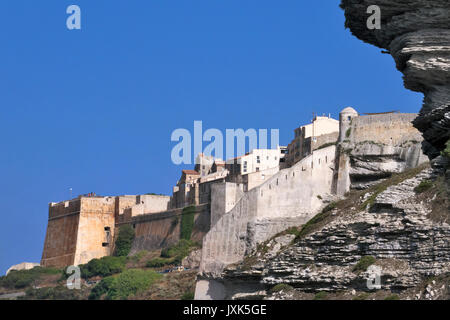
pixel 94 109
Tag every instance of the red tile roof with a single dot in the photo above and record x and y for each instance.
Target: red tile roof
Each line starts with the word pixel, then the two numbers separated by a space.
pixel 191 172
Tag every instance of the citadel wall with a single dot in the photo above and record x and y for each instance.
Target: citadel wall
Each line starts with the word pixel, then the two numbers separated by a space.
pixel 62 233
pixel 389 129
pixel 162 229
pixel 83 229
pixel 288 198
pixel 95 229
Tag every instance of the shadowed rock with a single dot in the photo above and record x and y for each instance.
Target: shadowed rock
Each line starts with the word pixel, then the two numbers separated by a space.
pixel 417 34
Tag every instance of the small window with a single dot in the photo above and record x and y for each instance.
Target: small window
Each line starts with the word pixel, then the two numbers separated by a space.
pixel 105 244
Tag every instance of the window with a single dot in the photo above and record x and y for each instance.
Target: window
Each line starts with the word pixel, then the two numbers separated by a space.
pixel 107 237
pixel 257 169
pixel 349 118
pixel 258 159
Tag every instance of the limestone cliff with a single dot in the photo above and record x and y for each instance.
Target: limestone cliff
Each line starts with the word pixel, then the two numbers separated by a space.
pixel 403 228
pixel 417 35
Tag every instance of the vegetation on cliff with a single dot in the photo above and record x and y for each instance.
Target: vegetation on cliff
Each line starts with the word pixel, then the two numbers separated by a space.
pixel 23 278
pixel 174 254
pixel 187 223
pixel 124 241
pixel 124 285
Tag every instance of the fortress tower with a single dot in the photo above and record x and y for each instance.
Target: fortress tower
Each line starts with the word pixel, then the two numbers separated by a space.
pixel 345 120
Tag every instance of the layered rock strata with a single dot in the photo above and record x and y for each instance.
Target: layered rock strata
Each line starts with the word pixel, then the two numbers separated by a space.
pixel 417 34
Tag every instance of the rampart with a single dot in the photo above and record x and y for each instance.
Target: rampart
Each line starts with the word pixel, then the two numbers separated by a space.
pixel 159 230
pixel 388 129
pixel 288 198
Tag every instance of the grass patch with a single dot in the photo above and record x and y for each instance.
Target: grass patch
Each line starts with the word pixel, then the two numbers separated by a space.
pixel 52 293
pixel 423 186
pixel 124 285
pixel 311 224
pixel 281 287
pixel 392 297
pixel 322 295
pixel 173 255
pixel 361 296
pixel 103 267
pixel 19 279
pixel 138 256
pixel 187 223
pixel 188 296
pixel 364 263
pixel 124 241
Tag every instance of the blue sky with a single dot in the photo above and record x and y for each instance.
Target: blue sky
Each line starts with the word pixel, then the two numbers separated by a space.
pixel 94 109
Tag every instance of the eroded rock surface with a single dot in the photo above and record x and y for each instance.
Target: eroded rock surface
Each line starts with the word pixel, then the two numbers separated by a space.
pixel 395 229
pixel 417 35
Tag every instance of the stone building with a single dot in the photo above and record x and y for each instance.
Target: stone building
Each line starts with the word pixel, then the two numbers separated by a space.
pixel 82 229
pixel 241 202
pixel 320 132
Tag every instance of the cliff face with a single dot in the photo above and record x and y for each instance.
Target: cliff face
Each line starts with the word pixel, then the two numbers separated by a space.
pixel 403 230
pixel 417 35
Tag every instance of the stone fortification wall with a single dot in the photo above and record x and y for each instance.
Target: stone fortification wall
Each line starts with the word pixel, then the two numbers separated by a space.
pixel 389 129
pixel 288 197
pixel 159 230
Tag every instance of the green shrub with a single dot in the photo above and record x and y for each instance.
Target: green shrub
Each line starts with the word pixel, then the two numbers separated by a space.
pixel 173 255
pixel 423 186
pixel 159 262
pixel 124 241
pixel 187 222
pixel 446 151
pixel 23 278
pixel 361 296
pixel 138 256
pixel 101 288
pixel 348 132
pixel 392 297
pixel 52 293
pixel 103 267
pixel 188 296
pixel 281 286
pixel 124 285
pixel 364 263
pixel 294 231
pixel 322 295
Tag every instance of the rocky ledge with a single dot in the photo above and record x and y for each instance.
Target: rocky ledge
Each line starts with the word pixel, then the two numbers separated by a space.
pixel 417 34
pixel 395 225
